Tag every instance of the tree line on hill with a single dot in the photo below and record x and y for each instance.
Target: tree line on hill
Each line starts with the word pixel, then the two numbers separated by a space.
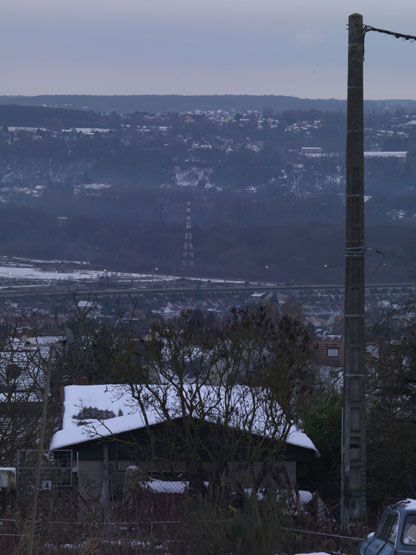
pixel 181 103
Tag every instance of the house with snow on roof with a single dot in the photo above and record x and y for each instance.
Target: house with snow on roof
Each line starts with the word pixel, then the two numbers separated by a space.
pixel 312 151
pixel 112 429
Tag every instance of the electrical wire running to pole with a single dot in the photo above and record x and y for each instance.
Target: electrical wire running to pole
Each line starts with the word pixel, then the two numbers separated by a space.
pixel 388 254
pixel 392 254
pixel 353 463
pixel 402 36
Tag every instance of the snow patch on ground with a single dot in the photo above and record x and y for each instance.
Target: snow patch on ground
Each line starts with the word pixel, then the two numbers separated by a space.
pixel 192 177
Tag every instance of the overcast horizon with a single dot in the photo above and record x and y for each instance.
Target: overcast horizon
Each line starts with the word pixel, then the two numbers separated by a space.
pixel 191 47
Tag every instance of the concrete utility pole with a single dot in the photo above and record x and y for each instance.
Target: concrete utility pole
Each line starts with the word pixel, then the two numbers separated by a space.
pixel 353 472
pixel 353 477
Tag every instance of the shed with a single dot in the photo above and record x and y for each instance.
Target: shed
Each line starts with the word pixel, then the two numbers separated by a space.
pixel 108 433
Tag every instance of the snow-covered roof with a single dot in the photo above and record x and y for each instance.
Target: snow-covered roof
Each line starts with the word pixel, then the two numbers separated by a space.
pixel 408 504
pixel 385 153
pixel 88 304
pixel 98 411
pixel 36 341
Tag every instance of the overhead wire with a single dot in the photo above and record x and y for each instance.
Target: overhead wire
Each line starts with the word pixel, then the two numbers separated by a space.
pixel 402 36
pixel 393 254
pixel 386 254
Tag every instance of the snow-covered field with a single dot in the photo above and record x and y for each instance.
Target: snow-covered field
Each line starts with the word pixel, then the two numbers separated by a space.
pixel 35 269
pixel 33 273
pixel 29 261
pixel 32 269
pixel 25 272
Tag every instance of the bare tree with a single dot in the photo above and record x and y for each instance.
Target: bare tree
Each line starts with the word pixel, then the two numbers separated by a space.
pixel 96 351
pixel 391 369
pixel 22 372
pixel 226 394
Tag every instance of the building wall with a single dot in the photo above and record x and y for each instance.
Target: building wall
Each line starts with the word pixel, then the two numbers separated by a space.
pixel 329 353
pixel 97 486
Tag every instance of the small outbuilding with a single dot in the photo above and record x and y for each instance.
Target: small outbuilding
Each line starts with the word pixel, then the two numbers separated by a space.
pixel 112 430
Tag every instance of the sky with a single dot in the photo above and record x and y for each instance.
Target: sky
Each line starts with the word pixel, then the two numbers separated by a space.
pixel 289 47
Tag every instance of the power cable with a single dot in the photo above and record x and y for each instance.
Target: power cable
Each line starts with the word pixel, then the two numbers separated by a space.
pixel 394 255
pixel 368 28
pixel 382 261
pixel 384 255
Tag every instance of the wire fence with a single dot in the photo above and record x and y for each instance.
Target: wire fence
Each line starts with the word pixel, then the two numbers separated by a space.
pixel 152 515
pixel 148 536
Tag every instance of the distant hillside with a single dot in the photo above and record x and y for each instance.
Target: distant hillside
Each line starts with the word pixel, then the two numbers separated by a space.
pixel 177 103
pixel 263 207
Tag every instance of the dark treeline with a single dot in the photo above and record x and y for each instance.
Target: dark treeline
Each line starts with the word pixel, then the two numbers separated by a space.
pixel 127 235
pixel 181 103
pixel 53 118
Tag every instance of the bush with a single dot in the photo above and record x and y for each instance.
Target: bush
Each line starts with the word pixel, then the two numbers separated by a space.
pixel 253 529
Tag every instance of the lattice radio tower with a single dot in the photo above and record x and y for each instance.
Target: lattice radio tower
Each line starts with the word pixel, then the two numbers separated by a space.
pixel 188 262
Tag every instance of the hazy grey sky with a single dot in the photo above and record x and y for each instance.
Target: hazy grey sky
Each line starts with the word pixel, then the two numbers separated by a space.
pixel 201 47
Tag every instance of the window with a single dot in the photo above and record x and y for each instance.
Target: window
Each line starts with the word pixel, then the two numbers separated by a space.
pixel 389 528
pixel 332 352
pixel 409 532
pixel 13 372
